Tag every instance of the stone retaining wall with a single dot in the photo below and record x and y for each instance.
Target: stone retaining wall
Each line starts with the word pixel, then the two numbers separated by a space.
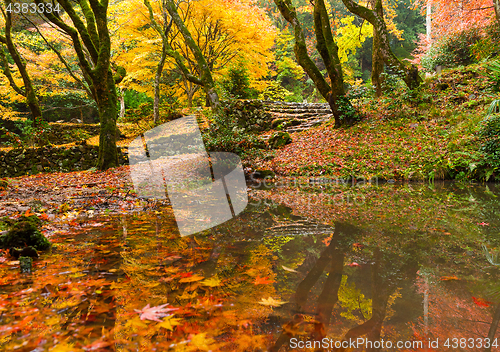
pixel 31 161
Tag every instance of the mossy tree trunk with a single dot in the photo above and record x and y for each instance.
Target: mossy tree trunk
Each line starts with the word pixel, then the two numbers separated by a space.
pixel 409 74
pixel 29 91
pixel 496 5
pixel 92 44
pixel 158 74
pixel 334 94
pixel 377 57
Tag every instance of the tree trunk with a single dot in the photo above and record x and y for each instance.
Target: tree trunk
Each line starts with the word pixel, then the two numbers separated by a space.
pixel 377 57
pixel 205 74
pixel 29 90
pixel 409 74
pixel 428 21
pixel 496 5
pixel 122 103
pixel 334 94
pixel 494 325
pixel 92 44
pixel 107 105
pixel 159 71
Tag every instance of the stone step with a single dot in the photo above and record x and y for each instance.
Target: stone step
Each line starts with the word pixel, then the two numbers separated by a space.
pixel 299 111
pixel 303 116
pixel 308 114
pixel 281 103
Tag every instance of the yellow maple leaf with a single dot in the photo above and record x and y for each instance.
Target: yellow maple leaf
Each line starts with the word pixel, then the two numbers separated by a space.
pixel 188 296
pixel 169 323
pixel 271 302
pixel 212 282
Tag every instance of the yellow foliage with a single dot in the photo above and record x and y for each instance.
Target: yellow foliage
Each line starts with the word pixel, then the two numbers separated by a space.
pixel 350 37
pixel 243 35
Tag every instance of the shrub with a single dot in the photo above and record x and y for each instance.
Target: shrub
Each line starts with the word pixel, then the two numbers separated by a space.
pixel 237 85
pixel 489 44
pixel 489 133
pixel 274 92
pixel 31 133
pixel 494 69
pixel 452 51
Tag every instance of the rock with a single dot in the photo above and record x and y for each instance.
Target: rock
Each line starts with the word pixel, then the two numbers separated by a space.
pixel 24 252
pixel 279 139
pixel 262 173
pixel 25 264
pixel 23 233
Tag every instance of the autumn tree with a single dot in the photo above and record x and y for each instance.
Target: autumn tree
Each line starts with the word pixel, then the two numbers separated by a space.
pixel 28 91
pixel 448 17
pixel 227 33
pixel 206 78
pixel 333 92
pixel 496 5
pixel 383 49
pixel 92 44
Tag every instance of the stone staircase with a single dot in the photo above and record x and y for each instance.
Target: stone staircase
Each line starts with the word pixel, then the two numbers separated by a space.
pixel 300 227
pixel 297 117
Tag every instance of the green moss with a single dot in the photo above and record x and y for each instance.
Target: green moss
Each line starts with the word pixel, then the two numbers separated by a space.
pixel 23 233
pixel 279 139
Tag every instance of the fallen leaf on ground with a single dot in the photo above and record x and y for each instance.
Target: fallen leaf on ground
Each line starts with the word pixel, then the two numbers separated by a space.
pixel 192 278
pixel 211 282
pixel 262 280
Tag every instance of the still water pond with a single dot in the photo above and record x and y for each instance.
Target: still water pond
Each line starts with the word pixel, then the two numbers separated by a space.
pixel 394 267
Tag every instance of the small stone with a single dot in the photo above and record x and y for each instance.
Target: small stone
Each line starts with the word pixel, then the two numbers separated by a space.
pixel 25 264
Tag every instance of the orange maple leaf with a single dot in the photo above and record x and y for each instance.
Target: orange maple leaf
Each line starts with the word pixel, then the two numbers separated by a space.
pixel 262 280
pixel 44 217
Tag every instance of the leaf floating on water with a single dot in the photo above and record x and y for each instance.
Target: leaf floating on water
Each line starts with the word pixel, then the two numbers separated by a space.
pixel 271 302
pixel 289 269
pixel 154 313
pixel 211 282
pixel 262 280
pixel 169 323
pixel 192 278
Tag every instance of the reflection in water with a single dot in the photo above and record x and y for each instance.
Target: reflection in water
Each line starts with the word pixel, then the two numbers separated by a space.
pixel 407 265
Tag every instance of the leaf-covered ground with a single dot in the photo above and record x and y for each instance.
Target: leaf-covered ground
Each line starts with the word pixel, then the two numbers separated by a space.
pixel 59 194
pixel 427 135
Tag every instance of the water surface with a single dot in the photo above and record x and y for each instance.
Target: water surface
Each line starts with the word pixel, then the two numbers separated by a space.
pixel 410 264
